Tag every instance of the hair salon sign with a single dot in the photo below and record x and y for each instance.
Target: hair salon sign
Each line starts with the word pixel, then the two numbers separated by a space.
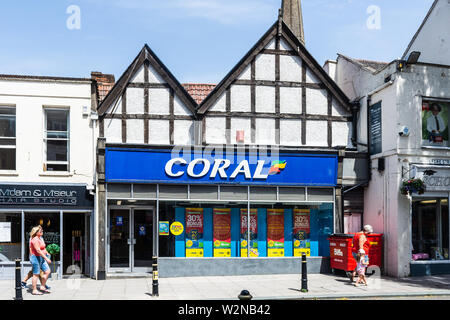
pixel 43 195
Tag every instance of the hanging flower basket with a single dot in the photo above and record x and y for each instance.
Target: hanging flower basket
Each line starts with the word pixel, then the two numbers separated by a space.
pixel 411 186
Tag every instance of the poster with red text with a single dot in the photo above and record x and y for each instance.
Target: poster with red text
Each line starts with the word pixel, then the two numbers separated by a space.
pixel 253 233
pixel 275 232
pixel 222 232
pixel 194 232
pixel 301 231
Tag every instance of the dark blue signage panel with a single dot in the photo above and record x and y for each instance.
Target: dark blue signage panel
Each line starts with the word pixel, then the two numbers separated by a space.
pixel 210 167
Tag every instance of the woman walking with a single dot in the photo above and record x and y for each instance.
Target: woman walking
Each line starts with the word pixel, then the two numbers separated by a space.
pixel 39 259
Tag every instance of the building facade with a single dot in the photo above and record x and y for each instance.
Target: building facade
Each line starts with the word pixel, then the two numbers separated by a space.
pixel 47 161
pixel 258 172
pixel 403 124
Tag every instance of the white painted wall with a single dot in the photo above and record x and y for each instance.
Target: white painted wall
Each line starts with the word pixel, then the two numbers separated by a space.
pixel 433 40
pixel 385 208
pixel 29 98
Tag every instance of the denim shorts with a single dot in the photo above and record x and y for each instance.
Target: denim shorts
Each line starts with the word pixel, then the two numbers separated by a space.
pixel 38 264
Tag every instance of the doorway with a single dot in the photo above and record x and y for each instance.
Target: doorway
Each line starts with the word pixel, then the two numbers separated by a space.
pixel 76 243
pixel 130 245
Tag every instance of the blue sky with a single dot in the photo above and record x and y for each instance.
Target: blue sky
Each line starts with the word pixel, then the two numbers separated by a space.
pixel 198 40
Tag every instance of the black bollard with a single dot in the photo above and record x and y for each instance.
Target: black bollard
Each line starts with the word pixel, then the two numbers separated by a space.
pixel 304 274
pixel 155 292
pixel 18 281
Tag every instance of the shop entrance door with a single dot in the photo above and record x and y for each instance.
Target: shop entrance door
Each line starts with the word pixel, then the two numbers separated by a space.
pixel 130 239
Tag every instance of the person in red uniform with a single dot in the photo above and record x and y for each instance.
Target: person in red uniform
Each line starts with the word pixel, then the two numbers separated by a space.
pixel 360 244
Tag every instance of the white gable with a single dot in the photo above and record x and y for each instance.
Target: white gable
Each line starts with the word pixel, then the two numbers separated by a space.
pixel 433 39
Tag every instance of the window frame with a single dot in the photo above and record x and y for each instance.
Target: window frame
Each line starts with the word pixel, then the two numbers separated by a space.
pixel 45 138
pixel 12 138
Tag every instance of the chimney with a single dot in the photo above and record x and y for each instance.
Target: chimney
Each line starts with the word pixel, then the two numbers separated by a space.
pixel 105 82
pixel 293 17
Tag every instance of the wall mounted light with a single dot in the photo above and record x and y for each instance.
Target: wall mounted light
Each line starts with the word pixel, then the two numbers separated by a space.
pixel 413 57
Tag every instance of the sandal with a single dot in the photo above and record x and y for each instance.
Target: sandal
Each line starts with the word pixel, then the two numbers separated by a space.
pixel 37 293
pixel 45 291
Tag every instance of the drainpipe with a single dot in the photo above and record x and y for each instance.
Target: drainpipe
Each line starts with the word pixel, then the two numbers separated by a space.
pixel 92 244
pixel 355 109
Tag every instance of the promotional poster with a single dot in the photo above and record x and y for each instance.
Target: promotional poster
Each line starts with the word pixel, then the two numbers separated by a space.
pixel 194 232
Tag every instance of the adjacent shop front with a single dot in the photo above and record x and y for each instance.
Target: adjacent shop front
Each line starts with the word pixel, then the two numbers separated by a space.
pixel 430 219
pixel 64 212
pixel 217 211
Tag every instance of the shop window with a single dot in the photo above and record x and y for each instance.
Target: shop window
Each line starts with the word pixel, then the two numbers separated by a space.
pixel 56 140
pixel 435 119
pixel 7 138
pixel 224 230
pixel 10 236
pixel 50 223
pixel 430 237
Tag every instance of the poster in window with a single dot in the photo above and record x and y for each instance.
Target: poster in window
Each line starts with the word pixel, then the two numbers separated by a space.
pixel 222 232
pixel 435 123
pixel 5 231
pixel 301 232
pixel 275 232
pixel 253 233
pixel 194 232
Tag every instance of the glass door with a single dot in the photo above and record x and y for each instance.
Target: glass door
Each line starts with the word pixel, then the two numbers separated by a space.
pixel 142 239
pixel 119 240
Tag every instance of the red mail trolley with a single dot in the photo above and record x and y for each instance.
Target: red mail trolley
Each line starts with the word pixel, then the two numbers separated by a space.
pixel 341 257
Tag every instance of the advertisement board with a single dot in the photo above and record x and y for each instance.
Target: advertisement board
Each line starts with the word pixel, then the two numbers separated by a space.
pixel 275 232
pixel 253 233
pixel 301 231
pixel 222 232
pixel 194 232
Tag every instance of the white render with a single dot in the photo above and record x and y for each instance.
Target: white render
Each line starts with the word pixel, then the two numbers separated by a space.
pixel 291 100
pixel 216 129
pixel 240 98
pixel 433 39
pixel 158 101
pixel 290 132
pixel 220 104
pixel 265 99
pixel 135 130
pixel 401 94
pixel 180 108
pixel 183 132
pixel 265 131
pixel 158 131
pixel 290 69
pixel 316 102
pixel 316 133
pixel 240 124
pixel 29 96
pixel 135 100
pixel 265 67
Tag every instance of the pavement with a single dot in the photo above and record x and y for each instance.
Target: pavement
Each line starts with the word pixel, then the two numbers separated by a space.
pixel 261 287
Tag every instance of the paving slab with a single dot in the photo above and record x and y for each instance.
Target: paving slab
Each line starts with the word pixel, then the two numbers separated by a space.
pixel 261 287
